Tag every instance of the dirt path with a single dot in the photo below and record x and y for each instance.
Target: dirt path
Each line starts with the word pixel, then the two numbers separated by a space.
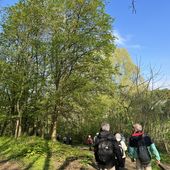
pixel 70 165
pixel 73 165
pixel 129 164
pixel 9 165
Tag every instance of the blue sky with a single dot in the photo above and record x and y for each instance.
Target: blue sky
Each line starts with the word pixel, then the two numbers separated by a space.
pixel 146 34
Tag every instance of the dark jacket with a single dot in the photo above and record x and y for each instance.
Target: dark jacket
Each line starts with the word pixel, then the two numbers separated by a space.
pixel 133 144
pixel 133 141
pixel 116 158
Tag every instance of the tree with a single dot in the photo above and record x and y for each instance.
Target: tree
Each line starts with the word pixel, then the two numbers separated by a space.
pixel 55 50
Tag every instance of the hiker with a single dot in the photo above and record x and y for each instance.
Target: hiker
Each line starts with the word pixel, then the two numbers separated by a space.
pixel 106 149
pixel 59 138
pixel 95 137
pixel 69 140
pixel 65 140
pixel 141 148
pixel 123 149
pixel 89 142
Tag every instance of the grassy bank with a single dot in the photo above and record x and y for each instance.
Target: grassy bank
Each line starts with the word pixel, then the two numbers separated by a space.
pixel 34 153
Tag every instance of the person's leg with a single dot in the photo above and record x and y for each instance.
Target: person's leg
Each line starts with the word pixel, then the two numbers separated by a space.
pixel 101 167
pixel 148 167
pixel 138 165
pixel 113 168
pixel 123 162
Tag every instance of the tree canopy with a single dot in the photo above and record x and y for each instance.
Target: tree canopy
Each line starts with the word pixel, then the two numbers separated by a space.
pixel 60 72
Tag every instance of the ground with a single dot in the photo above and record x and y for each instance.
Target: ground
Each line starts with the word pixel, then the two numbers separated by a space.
pixel 68 165
pixel 71 163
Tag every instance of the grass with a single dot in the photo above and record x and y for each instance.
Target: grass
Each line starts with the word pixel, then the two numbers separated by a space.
pixel 35 153
pixel 165 158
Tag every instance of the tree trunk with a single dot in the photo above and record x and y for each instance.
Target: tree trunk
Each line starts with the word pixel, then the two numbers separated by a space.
pixel 17 128
pixel 166 147
pixel 54 131
pixel 20 127
pixel 35 128
pixel 3 128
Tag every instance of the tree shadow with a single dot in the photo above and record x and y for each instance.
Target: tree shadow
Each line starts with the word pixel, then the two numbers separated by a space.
pixel 4 161
pixel 71 159
pixel 93 164
pixel 48 157
pixel 67 162
pixel 31 164
pixel 5 145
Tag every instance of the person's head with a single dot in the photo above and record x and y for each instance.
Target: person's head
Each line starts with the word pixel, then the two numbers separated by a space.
pixel 105 127
pixel 118 137
pixel 137 127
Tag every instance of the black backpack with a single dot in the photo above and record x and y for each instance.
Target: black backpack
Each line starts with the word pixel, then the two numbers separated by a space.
pixel 143 153
pixel 105 150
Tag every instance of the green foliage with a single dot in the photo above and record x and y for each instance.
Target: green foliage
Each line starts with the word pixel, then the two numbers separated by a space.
pixel 35 153
pixel 58 60
pixel 61 73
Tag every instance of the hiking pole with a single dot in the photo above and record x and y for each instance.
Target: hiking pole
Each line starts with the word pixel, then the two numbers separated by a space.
pixel 162 167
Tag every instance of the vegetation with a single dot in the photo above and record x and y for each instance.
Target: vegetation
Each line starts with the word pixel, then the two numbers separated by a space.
pixel 35 153
pixel 60 73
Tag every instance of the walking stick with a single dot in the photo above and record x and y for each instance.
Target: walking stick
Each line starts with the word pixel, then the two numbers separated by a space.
pixel 163 167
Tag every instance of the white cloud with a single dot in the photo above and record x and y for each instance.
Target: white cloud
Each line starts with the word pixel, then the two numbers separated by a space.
pixel 162 84
pixel 120 40
pixel 125 41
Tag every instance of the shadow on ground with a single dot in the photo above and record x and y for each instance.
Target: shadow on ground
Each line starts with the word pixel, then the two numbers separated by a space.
pixel 69 160
pixel 48 157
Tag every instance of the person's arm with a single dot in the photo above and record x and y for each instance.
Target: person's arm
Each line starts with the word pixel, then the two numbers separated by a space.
pixel 124 147
pixel 155 152
pixel 131 152
pixel 153 149
pixel 131 149
pixel 118 154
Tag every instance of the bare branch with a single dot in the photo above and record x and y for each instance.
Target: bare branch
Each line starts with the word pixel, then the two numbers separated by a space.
pixel 133 6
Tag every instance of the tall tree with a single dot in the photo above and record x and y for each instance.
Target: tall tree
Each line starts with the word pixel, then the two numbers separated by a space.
pixel 54 51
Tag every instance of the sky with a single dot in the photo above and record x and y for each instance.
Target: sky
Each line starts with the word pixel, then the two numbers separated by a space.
pixel 145 34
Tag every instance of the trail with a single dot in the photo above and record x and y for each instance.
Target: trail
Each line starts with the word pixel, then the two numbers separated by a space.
pixel 9 165
pixel 73 165
pixel 70 164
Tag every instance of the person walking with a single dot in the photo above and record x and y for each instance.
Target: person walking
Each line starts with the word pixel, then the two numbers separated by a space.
pixel 141 148
pixel 106 149
pixel 89 142
pixel 123 149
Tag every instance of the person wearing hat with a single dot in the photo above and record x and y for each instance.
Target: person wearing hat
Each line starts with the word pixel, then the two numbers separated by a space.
pixel 123 149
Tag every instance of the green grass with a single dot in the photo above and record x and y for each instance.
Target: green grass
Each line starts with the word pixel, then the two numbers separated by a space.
pixel 35 153
pixel 165 158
